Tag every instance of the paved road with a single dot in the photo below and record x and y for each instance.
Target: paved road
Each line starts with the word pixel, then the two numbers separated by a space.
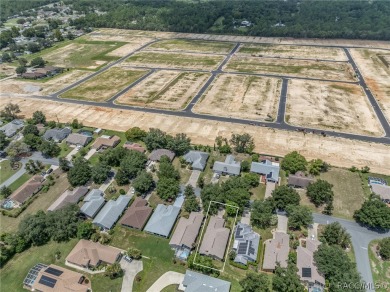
pixel 360 237
pixel 15 176
pixel 282 102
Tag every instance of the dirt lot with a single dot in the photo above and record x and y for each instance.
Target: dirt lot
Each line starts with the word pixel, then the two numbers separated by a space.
pixel 299 68
pixel 130 47
pixel 6 70
pixel 104 85
pixel 193 46
pixel 336 151
pixel 175 60
pixel 326 105
pixel 125 35
pixel 240 96
pixel 165 89
pixel 285 51
pixel 42 87
pixel 375 67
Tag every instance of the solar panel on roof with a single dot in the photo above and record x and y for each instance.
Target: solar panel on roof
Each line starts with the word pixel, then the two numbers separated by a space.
pixel 238 232
pixel 32 274
pixel 53 271
pixel 242 247
pixel 47 281
pixel 251 250
pixel 306 272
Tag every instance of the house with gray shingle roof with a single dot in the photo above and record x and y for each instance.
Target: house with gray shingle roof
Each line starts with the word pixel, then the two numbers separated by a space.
pixel 230 166
pixel 162 220
pixel 186 231
pixel 93 202
pixel 12 128
pixel 267 168
pixel 215 238
pixel 68 197
pixel 276 251
pixel 197 282
pixel 197 159
pixel 246 244
pixel 57 135
pixel 111 212
pixel 78 139
pixel 158 153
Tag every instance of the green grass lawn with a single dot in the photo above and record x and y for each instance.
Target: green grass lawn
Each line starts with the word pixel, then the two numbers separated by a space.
pixel 380 269
pixel 171 288
pixel 65 149
pixel 185 173
pixel 20 181
pixel 6 171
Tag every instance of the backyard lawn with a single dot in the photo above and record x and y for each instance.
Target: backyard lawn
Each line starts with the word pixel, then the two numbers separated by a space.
pixel 185 173
pixel 6 171
pixel 380 269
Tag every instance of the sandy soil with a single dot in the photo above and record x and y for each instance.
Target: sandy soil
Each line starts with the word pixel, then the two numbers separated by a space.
pixel 334 54
pixel 7 69
pixel 193 46
pixel 299 68
pixel 326 105
pixel 376 74
pixel 125 35
pixel 336 151
pixel 130 47
pixel 23 86
pixel 240 96
pixel 165 89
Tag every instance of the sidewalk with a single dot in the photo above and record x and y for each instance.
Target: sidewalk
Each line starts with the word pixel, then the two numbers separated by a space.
pixel 169 278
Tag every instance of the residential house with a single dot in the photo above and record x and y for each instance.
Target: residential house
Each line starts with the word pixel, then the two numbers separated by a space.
pixel 52 278
pixel 68 197
pixel 307 268
pixel 230 166
pixel 197 282
pixel 27 190
pixel 267 168
pixel 197 159
pixel 104 142
pixel 12 128
pixel 299 180
pixel 137 214
pixel 186 231
pixel 383 191
pixel 33 75
pixel 158 153
pixel 111 212
pixel 276 251
pixel 49 70
pixel 93 202
pixel 88 254
pixel 134 146
pixel 57 135
pixel 78 139
pixel 246 244
pixel 215 239
pixel 162 220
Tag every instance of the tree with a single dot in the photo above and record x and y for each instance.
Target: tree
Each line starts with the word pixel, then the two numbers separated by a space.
pixel 76 124
pixel 320 192
pixel 255 157
pixel 30 129
pixel 294 162
pixel 225 149
pixel 70 36
pixel 32 141
pixel 33 48
pixel 20 70
pixel 299 216
pixel 114 156
pixel 245 166
pixel 58 35
pixel 284 196
pixel 317 166
pixel 335 234
pixel 6 57
pixel 155 139
pixel 135 134
pixel 179 144
pixel 22 62
pixel 262 214
pixel 39 117
pixel 33 167
pixel 114 271
pixel 80 173
pixel 122 178
pixel 143 182
pixel 37 62
pixel 231 208
pixel 10 111
pixel 49 148
pixel 134 253
pixel 167 188
pixel 287 280
pixel 16 149
pixel 132 163
pixel 201 263
pixel 384 248
pixel 242 143
pixel 374 213
pixel 191 203
pixel 100 172
pixel 3 140
pixel 167 170
pixel 254 282
pixel 85 230
pixel 5 191
pixel 64 164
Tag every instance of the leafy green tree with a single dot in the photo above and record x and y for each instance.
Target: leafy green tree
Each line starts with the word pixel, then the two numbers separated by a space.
pixel 32 141
pixel 3 141
pixel 37 62
pixel 167 170
pixel 191 204
pixel 30 129
pixel 202 264
pixel 22 62
pixel 255 157
pixel 317 166
pixel 122 178
pixel 58 35
pixel 134 253
pixel 143 182
pixel 384 248
pixel 80 173
pixel 85 230
pixel 76 124
pixel 5 191
pixel 6 57
pixel 114 271
pixel 299 216
pixel 262 214
pixel 287 280
pixel 132 163
pixel 10 111
pixel 167 188
pixel 135 134
pixel 114 156
pixel 294 162
pixel 100 172
pixel 49 148
pixel 155 139
pixel 180 144
pixel 245 166
pixel 39 117
pixel 335 234
pixel 255 282
pixel 17 148
pixel 64 164
pixel 374 213
pixel 320 192
pixel 33 48
pixel 231 209
pixel 225 149
pixel 20 70
pixel 242 143
pixel 284 196
pixel 252 178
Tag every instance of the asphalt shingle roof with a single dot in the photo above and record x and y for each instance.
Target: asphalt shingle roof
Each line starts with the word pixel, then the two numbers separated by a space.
pixel 111 212
pixel 197 282
pixel 162 220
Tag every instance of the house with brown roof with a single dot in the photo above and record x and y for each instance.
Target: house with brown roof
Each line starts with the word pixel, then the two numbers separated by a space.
pixel 215 239
pixel 134 146
pixel 104 142
pixel 137 215
pixel 383 191
pixel 187 231
pixel 68 197
pixel 27 190
pixel 307 268
pixel 78 139
pixel 299 180
pixel 276 251
pixel 55 278
pixel 158 153
pixel 88 254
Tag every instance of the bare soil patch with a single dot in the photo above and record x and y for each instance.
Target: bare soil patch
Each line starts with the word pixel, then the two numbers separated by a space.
pixel 299 68
pixel 336 151
pixel 240 96
pixel 375 68
pixel 165 89
pixel 193 46
pixel 327 105
pixel 289 51
pixel 125 35
pixel 130 47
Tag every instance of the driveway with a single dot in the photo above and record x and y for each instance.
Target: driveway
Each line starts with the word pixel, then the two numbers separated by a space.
pixel 193 180
pixel 131 270
pixel 15 176
pixel 90 153
pixel 269 187
pixel 71 153
pixel 282 223
pixel 169 278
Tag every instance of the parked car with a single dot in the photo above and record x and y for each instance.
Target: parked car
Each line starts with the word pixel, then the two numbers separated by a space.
pixel 50 170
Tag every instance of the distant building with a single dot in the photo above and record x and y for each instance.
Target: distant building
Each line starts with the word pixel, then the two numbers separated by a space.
pixel 93 202
pixel 134 146
pixel 27 190
pixel 276 251
pixel 12 128
pixel 104 142
pixel 158 153
pixel 162 220
pixel 267 168
pixel 197 282
pixel 68 197
pixel 246 244
pixel 187 231
pixel 111 212
pixel 137 214
pixel 230 166
pixel 299 180
pixel 78 139
pixel 215 239
pixel 57 135
pixel 197 159
pixel 383 191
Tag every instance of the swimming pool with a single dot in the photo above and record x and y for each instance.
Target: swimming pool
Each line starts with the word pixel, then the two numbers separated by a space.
pixel 86 133
pixel 8 204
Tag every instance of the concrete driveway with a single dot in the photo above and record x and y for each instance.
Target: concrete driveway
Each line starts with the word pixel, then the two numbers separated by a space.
pixel 131 270
pixel 90 153
pixel 282 223
pixel 169 278
pixel 71 153
pixel 193 180
pixel 269 188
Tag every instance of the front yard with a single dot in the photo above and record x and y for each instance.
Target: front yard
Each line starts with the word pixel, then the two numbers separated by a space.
pixel 380 269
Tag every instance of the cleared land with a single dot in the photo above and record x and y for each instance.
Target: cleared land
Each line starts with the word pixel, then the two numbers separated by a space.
pixel 193 46
pixel 327 105
pixel 104 85
pixel 165 89
pixel 286 51
pixel 336 151
pixel 380 268
pixel 375 67
pixel 175 60
pixel 240 96
pixel 299 68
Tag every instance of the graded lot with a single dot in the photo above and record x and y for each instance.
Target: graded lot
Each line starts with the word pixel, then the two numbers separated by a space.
pixel 336 151
pixel 240 96
pixel 175 60
pixel 104 85
pixel 331 106
pixel 298 68
pixel 193 46
pixel 165 89
pixel 374 65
